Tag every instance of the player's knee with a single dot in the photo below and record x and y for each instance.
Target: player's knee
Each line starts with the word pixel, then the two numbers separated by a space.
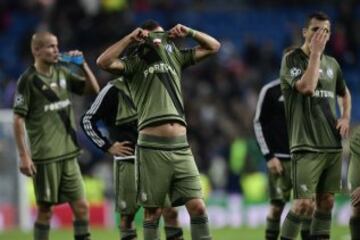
pixel 276 209
pixel 302 206
pixel 325 202
pixel 196 207
pixel 356 211
pixel 80 209
pixel 44 213
pixel 170 213
pixel 126 221
pixel 152 214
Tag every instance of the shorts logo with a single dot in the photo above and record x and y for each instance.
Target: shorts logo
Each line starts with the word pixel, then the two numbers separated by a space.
pixel 304 188
pixel 122 204
pixel 143 197
pixel 294 72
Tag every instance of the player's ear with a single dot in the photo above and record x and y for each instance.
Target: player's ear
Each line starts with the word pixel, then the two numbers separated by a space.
pixel 304 31
pixel 35 51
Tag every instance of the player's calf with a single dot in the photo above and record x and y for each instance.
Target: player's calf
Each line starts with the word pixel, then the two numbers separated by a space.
pixel 80 210
pixel 198 218
pixel 127 230
pixel 151 223
pixel 172 229
pixel 273 220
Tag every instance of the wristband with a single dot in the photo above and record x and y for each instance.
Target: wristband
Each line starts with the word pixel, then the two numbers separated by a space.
pixel 191 32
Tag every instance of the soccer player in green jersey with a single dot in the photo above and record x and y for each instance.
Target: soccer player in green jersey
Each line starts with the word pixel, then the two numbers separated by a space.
pixel 165 162
pixel 42 104
pixel 354 183
pixel 114 107
pixel 311 81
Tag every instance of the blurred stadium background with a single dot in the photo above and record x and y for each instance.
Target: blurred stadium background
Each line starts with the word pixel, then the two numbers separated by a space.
pixel 220 96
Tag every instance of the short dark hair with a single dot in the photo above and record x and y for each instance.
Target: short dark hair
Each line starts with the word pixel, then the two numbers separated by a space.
pixel 150 25
pixel 321 16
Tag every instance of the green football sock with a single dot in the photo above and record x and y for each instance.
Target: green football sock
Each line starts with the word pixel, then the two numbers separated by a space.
pixel 305 228
pixel 355 228
pixel 320 225
pixel 81 229
pixel 200 228
pixel 41 231
pixel 272 229
pixel 151 230
pixel 173 233
pixel 128 234
pixel 291 226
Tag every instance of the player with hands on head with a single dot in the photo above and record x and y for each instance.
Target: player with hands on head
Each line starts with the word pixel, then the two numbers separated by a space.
pixel 154 79
pixel 311 81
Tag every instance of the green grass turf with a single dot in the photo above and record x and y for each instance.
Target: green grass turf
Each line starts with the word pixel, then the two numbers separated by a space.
pixel 338 233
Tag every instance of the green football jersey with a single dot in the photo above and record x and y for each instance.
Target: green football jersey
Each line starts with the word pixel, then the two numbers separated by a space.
pixel 154 80
pixel 311 120
pixel 126 110
pixel 49 135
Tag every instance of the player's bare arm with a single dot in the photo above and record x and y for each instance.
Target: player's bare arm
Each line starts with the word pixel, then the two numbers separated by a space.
pixel 343 124
pixel 308 82
pixel 121 149
pixel 109 59
pixel 27 166
pixel 207 44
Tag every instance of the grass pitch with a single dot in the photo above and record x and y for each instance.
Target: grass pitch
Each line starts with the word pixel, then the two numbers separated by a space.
pixel 243 233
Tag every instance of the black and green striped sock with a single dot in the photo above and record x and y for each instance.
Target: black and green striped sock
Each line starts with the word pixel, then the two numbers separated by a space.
pixel 200 228
pixel 272 228
pixel 355 228
pixel 41 231
pixel 320 225
pixel 151 230
pixel 81 230
pixel 305 228
pixel 291 226
pixel 173 233
pixel 128 234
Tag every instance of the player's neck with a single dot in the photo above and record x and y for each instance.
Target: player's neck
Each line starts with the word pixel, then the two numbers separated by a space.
pixel 306 49
pixel 43 68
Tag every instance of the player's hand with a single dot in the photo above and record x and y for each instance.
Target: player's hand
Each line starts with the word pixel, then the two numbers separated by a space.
pixel 138 35
pixel 121 149
pixel 319 40
pixel 179 31
pixel 27 166
pixel 73 56
pixel 343 125
pixel 274 166
pixel 355 197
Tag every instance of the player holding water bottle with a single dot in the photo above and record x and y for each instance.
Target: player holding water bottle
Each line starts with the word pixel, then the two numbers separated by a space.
pixel 42 101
